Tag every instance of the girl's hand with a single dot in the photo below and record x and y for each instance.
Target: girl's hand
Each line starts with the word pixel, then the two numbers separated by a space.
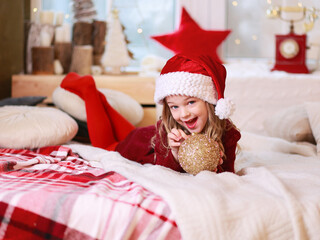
pixel 175 138
pixel 220 161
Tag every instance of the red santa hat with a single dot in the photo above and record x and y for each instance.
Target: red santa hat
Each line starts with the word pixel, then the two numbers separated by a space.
pixel 200 77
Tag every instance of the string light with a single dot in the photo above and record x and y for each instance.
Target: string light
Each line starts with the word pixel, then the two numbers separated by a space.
pixel 67 16
pixel 139 30
pixel 235 3
pixel 237 41
pixel 254 37
pixel 35 9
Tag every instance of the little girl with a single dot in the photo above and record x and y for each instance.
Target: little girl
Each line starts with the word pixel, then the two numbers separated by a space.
pixel 191 91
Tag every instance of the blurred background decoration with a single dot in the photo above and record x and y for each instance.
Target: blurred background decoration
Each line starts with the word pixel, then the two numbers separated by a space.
pixel 291 48
pixel 252 33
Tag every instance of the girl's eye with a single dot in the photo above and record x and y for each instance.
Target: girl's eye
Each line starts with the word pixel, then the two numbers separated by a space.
pixel 191 102
pixel 173 107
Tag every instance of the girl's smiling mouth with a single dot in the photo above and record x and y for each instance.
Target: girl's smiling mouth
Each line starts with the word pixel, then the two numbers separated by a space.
pixel 191 123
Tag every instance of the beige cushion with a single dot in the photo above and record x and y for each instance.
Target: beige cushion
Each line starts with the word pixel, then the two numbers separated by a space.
pixel 34 127
pixel 72 104
pixel 291 124
pixel 313 111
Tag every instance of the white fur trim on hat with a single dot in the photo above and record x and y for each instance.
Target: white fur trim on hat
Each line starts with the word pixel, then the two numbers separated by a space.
pixel 224 108
pixel 185 83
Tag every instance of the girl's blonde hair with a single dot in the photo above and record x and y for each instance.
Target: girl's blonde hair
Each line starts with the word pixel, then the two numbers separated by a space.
pixel 214 127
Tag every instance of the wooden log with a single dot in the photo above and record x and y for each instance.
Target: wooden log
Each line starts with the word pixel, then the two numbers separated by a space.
pixel 42 60
pixel 82 59
pixel 99 35
pixel 82 33
pixel 63 53
pixel 97 59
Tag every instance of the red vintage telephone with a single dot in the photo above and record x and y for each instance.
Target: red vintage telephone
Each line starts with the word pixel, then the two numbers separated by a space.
pixel 290 55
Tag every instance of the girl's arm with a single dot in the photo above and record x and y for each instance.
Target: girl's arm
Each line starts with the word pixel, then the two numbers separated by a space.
pixel 230 140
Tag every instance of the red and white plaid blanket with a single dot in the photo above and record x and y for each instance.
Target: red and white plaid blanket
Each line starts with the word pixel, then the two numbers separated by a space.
pixel 51 193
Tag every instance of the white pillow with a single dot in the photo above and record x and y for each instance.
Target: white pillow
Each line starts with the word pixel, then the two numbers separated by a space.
pixel 291 124
pixel 259 143
pixel 72 104
pixel 34 127
pixel 313 111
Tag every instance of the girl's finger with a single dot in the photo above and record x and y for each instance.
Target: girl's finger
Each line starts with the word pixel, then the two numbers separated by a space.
pixel 176 132
pixel 173 137
pixel 183 134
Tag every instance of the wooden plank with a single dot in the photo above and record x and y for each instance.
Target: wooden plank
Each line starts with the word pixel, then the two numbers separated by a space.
pixel 34 85
pixel 139 88
pixel 149 117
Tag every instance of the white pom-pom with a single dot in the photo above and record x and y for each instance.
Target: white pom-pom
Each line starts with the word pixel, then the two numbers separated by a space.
pixel 224 108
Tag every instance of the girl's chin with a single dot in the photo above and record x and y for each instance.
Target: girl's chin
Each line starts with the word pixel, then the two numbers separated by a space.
pixel 193 130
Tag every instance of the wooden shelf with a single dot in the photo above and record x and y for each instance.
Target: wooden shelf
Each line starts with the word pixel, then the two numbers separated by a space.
pixel 139 88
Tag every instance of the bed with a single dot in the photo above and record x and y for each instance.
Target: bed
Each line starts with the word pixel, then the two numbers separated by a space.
pixel 75 191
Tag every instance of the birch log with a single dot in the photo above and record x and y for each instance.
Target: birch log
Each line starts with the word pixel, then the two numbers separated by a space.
pixel 81 59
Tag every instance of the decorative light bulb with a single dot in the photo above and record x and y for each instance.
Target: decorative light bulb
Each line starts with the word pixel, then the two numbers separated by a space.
pixel 273 12
pixel 308 26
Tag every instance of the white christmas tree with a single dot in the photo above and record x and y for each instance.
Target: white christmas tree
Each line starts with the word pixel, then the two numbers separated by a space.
pixel 116 54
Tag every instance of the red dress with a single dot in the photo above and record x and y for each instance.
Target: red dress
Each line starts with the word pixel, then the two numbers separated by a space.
pixel 137 147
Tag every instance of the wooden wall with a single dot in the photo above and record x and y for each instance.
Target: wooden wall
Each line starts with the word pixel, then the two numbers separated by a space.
pixel 13 14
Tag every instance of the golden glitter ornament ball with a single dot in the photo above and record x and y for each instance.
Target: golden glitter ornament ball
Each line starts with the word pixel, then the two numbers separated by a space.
pixel 198 153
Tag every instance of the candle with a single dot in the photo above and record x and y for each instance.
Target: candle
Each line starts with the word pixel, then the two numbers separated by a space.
pixel 67 32
pixel 45 39
pixel 46 17
pixel 59 18
pixel 59 34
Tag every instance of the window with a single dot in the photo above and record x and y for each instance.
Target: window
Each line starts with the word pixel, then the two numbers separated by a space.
pixel 140 18
pixel 252 32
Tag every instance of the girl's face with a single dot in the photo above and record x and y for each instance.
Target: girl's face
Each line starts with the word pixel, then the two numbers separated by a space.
pixel 189 112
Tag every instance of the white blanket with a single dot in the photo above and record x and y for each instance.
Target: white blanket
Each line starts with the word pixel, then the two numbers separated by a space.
pixel 273 195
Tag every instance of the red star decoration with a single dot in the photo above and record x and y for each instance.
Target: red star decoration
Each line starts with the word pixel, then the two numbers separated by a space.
pixel 190 39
